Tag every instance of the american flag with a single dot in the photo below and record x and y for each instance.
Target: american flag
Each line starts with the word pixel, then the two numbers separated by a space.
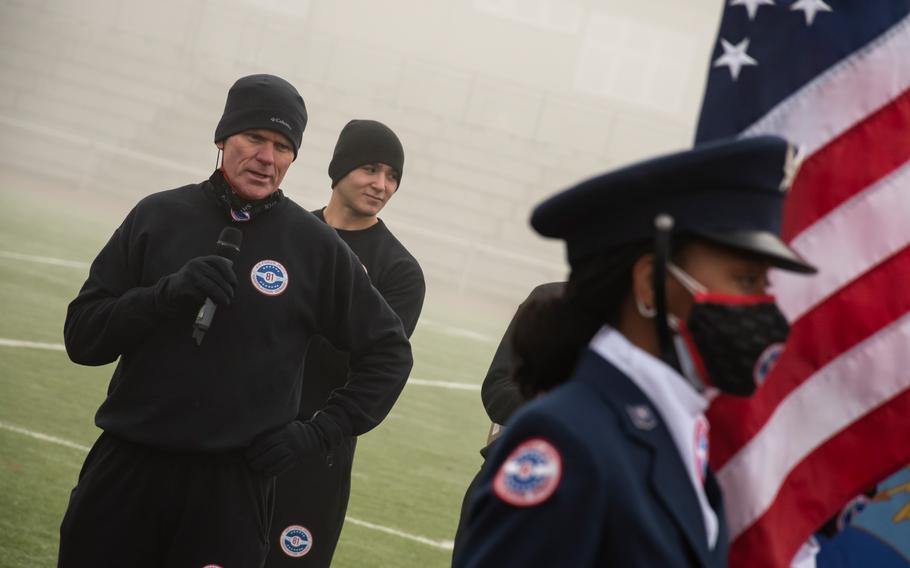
pixel 834 416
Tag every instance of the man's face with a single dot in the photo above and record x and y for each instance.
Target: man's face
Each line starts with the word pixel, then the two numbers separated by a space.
pixel 255 162
pixel 365 190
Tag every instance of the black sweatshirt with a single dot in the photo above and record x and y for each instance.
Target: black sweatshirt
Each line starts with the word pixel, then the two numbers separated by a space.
pixel 244 379
pixel 397 276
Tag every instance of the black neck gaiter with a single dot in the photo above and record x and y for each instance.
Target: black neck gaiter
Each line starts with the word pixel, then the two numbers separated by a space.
pixel 238 208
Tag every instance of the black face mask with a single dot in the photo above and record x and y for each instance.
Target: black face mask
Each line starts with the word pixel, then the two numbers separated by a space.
pixel 238 208
pixel 730 342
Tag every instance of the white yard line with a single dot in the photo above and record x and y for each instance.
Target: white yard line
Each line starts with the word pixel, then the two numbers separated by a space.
pixel 443 384
pixel 44 437
pixel 456 331
pixel 43 259
pixel 4 342
pixel 442 544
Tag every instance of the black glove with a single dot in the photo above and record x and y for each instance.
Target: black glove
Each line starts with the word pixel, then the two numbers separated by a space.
pixel 200 278
pixel 279 450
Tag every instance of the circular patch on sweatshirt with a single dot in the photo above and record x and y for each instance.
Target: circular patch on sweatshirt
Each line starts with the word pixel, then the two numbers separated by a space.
pixel 269 277
pixel 296 541
pixel 530 474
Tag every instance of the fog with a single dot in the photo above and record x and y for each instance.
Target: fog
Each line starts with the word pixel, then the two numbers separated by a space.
pixel 499 103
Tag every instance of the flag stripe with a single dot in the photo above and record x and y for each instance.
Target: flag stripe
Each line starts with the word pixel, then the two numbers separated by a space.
pixel 832 175
pixel 814 342
pixel 849 242
pixel 875 445
pixel 837 99
pixel 763 463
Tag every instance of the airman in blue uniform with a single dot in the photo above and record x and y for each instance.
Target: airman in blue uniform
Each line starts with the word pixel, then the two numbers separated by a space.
pixel 666 304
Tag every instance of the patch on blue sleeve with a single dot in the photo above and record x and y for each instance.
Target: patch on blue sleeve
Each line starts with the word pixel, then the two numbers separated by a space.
pixel 530 475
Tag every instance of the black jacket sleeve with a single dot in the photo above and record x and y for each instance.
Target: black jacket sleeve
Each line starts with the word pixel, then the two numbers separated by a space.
pixel 404 289
pixel 112 311
pixel 500 395
pixel 327 367
pixel 358 320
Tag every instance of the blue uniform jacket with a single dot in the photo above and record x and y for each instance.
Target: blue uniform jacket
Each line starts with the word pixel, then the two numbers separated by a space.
pixel 622 496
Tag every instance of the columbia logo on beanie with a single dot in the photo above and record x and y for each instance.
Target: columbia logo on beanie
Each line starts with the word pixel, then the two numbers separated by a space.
pixel 365 142
pixel 283 123
pixel 263 101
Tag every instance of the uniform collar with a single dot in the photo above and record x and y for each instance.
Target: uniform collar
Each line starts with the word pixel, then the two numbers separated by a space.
pixel 661 383
pixel 680 405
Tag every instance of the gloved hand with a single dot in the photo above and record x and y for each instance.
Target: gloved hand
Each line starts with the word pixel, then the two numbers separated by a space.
pixel 277 451
pixel 202 277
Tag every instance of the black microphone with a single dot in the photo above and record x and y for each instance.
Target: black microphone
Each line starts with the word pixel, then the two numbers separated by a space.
pixel 228 246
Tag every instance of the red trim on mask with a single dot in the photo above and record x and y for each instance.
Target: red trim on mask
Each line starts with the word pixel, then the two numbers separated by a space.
pixel 734 299
pixel 683 331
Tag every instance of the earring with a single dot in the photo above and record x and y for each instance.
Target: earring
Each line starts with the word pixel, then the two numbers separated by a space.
pixel 644 310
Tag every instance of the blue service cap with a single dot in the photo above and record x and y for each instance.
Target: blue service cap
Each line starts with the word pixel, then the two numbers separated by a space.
pixel 730 192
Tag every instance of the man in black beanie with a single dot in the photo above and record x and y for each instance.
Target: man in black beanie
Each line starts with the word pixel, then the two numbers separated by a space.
pixel 196 427
pixel 312 498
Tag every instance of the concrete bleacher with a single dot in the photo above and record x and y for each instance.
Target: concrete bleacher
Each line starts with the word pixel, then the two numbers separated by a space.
pixel 498 104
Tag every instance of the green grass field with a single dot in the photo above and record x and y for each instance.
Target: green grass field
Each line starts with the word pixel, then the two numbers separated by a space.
pixel 409 475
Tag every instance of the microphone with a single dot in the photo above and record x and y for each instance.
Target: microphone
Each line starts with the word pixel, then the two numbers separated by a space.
pixel 228 246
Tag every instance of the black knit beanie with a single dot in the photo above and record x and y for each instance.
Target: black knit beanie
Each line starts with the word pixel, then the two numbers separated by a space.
pixel 263 101
pixel 365 142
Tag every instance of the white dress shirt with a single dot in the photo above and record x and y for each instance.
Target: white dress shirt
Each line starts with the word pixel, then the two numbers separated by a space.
pixel 680 406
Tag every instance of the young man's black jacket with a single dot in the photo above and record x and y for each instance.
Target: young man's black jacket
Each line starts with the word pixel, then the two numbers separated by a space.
pixel 244 379
pixel 396 274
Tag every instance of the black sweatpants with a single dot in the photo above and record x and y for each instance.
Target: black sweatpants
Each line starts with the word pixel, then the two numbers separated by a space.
pixel 310 504
pixel 141 507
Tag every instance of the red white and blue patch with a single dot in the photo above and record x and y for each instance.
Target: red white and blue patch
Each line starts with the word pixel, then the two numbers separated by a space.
pixel 766 361
pixel 296 541
pixel 530 474
pixel 269 277
pixel 240 215
pixel 701 448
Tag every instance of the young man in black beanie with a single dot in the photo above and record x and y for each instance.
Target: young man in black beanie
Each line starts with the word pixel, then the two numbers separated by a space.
pixel 196 427
pixel 312 498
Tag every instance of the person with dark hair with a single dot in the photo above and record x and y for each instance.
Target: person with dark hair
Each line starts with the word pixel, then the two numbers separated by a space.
pixel 666 303
pixel 311 499
pixel 199 420
pixel 501 396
